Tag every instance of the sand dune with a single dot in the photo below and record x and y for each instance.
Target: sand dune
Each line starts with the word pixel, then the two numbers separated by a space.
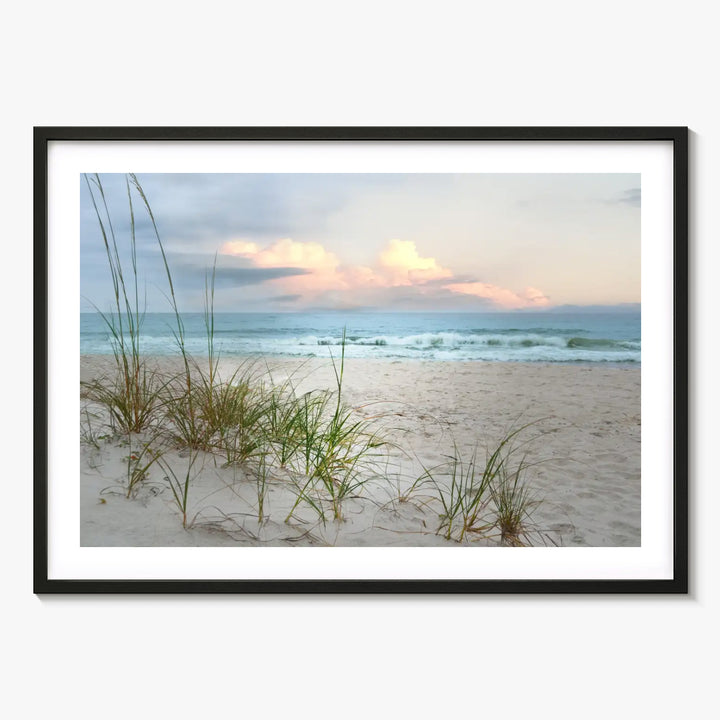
pixel 585 458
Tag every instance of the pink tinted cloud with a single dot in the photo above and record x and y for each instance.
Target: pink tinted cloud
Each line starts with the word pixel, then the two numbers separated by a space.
pixel 283 253
pixel 501 296
pixel 325 270
pixel 399 265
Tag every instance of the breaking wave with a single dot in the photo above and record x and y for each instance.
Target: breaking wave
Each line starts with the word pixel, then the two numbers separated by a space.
pixel 579 339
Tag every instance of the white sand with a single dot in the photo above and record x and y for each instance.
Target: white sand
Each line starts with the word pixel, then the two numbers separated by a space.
pixel 588 445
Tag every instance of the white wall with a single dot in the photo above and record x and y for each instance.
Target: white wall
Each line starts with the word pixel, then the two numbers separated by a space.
pixel 375 63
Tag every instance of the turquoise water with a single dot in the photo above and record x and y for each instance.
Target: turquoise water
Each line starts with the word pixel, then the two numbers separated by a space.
pixel 512 337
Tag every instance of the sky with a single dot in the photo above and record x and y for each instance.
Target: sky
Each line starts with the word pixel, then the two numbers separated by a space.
pixel 410 242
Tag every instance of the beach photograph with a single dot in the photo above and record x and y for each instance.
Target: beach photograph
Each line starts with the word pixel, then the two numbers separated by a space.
pixel 360 360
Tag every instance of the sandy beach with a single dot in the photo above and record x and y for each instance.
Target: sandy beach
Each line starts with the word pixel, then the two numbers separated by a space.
pixel 583 453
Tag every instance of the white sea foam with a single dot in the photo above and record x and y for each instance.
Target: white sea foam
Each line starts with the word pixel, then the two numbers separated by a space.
pixel 579 340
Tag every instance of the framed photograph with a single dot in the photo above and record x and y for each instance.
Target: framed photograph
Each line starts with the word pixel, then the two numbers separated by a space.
pixel 361 360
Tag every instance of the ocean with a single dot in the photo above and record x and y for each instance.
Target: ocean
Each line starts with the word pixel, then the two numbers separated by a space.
pixel 587 337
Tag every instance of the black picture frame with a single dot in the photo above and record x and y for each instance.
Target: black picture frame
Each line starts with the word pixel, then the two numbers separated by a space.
pixel 677 136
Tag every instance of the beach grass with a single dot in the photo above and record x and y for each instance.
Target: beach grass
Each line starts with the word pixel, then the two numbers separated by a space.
pixel 513 504
pixel 139 462
pixel 130 396
pixel 180 483
pixel 338 450
pixel 482 497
